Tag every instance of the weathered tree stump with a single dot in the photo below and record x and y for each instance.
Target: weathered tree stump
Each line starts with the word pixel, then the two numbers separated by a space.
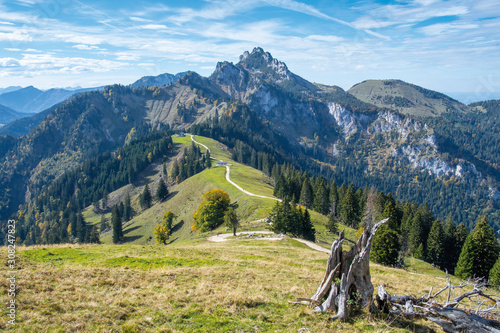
pixel 347 277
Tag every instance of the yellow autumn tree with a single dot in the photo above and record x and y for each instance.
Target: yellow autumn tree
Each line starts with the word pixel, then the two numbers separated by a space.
pixel 210 213
pixel 164 228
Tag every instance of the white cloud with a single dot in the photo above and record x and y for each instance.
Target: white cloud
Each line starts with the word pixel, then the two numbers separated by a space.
pixel 81 39
pixel 446 28
pixel 127 56
pixel 390 15
pixel 152 27
pixel 139 19
pixel 6 23
pixel 331 39
pixel 11 49
pixel 86 47
pixel 17 36
pixel 8 62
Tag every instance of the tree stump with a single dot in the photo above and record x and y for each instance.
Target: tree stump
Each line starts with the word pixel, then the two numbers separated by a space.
pixel 347 277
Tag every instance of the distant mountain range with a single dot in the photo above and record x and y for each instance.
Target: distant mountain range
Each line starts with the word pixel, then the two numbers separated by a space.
pixel 416 143
pixel 159 81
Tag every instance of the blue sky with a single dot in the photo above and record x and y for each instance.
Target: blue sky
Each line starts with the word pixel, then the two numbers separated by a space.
pixel 449 46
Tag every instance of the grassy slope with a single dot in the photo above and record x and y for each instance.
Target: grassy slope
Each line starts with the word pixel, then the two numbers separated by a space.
pixel 371 91
pixel 187 196
pixel 196 286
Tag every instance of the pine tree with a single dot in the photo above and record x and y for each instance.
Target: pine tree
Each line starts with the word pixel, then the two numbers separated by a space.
pixel 127 212
pixel 231 220
pixel 208 160
pixel 94 235
pixel 391 212
pixel 321 199
pixel 465 264
pixel 81 227
pixel 307 228
pixel 116 222
pixel 161 191
pixel 104 224
pixel 105 199
pixel 436 245
pixel 385 247
pixel 350 209
pixel 306 194
pixel 333 224
pixel 175 170
pixel 479 252
pixel 145 198
pixel 495 273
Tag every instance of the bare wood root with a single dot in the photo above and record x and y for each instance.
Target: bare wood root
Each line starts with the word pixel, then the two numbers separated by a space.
pixel 347 276
pixel 477 318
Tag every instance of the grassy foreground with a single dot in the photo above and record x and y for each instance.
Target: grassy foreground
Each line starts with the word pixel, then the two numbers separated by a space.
pixel 197 286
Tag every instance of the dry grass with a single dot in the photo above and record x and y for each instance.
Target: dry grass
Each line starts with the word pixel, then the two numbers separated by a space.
pixel 237 286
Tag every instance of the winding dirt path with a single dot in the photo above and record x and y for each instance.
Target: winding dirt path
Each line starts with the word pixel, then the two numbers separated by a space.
pixel 228 173
pixel 225 237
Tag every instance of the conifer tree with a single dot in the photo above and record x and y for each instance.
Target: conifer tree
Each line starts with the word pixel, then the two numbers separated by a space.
pixel 385 246
pixel 479 252
pixel 435 245
pixel 350 209
pixel 145 198
pixel 127 212
pixel 321 199
pixel 105 199
pixel 208 160
pixel 161 191
pixel 104 223
pixel 231 220
pixel 307 228
pixel 333 224
pixel 391 212
pixel 175 170
pixel 306 194
pixel 495 273
pixel 116 222
pixel 94 235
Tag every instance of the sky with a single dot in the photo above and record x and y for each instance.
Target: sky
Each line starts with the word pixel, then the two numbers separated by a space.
pixel 448 46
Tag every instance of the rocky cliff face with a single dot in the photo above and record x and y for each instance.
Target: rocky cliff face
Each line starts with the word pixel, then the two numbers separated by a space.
pixel 408 140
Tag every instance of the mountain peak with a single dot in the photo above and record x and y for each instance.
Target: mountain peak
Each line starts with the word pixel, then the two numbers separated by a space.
pixel 260 61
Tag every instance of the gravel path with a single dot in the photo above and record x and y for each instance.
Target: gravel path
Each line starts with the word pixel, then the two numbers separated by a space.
pixel 225 237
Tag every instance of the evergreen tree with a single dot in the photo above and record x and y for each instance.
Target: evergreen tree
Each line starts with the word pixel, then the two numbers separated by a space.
pixel 307 228
pixel 105 199
pixel 479 252
pixel 161 191
pixel 127 212
pixel 175 170
pixel 104 223
pixel 81 228
pixel 94 235
pixel 436 245
pixel 306 194
pixel 333 224
pixel 208 160
pixel 350 209
pixel 145 198
pixel 385 246
pixel 116 222
pixel 321 199
pixel 495 273
pixel 391 212
pixel 231 220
